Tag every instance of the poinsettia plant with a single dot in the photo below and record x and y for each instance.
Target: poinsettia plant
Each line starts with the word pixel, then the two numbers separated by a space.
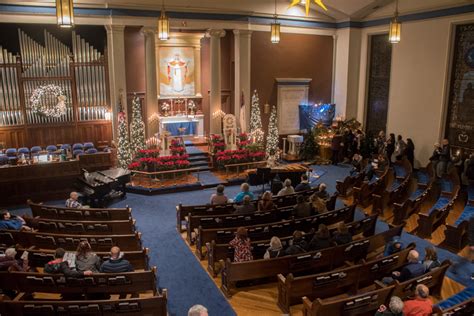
pixel 238 156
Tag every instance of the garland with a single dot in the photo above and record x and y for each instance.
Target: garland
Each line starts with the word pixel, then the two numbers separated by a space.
pixel 38 93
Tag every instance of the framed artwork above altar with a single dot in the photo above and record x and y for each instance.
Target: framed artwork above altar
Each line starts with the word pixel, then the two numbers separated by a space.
pixel 177 77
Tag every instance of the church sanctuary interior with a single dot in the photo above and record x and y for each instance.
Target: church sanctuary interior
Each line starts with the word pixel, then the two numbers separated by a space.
pixel 246 157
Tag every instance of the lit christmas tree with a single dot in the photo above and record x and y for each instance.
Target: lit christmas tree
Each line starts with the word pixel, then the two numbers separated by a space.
pixel 137 128
pixel 256 130
pixel 273 135
pixel 124 156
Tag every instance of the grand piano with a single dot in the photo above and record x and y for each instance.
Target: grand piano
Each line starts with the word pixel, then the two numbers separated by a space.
pixel 100 188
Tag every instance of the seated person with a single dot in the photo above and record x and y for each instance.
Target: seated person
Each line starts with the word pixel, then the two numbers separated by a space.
pixel 421 305
pixel 12 222
pixel 246 208
pixel 275 250
pixel 298 244
pixel 245 191
pixel 72 202
pixel 287 188
pixel 241 245
pixel 59 266
pixel 414 268
pixel 302 208
pixel 219 197
pixel 395 308
pixel 394 246
pixel 321 239
pixel 86 259
pixel 369 170
pixel 431 259
pixel 342 235
pixel 304 184
pixel 116 263
pixel 322 193
pixel 266 202
pixel 318 204
pixel 356 164
pixel 9 261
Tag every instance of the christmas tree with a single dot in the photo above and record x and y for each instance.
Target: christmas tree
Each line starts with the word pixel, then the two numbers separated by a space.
pixel 137 128
pixel 124 156
pixel 272 136
pixel 256 130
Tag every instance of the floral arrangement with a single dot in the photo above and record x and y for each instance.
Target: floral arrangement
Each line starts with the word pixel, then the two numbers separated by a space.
pixel 162 163
pixel 148 153
pixel 238 156
pixel 243 140
pixel 46 91
pixel 177 148
pixel 217 143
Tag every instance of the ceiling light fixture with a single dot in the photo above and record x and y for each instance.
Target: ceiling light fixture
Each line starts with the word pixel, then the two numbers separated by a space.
pixel 307 3
pixel 275 28
pixel 395 27
pixel 65 13
pixel 163 24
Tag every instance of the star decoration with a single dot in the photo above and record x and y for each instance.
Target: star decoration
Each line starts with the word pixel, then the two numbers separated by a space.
pixel 307 4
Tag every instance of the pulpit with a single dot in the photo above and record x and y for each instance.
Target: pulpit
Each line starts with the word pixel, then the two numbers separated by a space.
pixel 294 144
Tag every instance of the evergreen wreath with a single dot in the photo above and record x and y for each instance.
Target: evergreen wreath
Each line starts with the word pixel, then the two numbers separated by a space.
pixel 50 89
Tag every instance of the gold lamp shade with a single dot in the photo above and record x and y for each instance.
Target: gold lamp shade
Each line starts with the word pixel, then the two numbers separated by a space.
pixel 163 26
pixel 395 31
pixel 65 13
pixel 275 33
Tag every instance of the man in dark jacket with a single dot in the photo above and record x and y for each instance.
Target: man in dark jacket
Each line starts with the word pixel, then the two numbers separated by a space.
pixel 304 184
pixel 299 245
pixel 414 268
pixel 59 266
pixel 116 263
pixel 444 159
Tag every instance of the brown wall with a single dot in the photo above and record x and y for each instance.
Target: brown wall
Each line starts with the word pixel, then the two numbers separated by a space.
pixel 296 56
pixel 135 59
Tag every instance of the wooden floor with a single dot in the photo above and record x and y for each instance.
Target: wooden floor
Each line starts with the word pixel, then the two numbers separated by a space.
pixel 261 300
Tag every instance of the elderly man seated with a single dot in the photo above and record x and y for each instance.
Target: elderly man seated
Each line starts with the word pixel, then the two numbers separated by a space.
pixel 322 193
pixel 73 202
pixel 116 263
pixel 414 268
pixel 421 304
pixel 8 261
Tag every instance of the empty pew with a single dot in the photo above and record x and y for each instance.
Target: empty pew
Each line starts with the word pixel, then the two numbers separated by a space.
pixel 152 306
pixel 90 214
pixel 355 179
pixel 112 227
pixel 266 231
pixel 37 258
pixel 361 304
pixel 459 304
pixel 347 280
pixel 457 234
pixel 234 220
pixel 321 260
pixel 182 211
pixel 128 242
pixel 363 194
pixel 425 178
pixel 432 218
pixel 107 283
pixel 217 252
pixel 401 181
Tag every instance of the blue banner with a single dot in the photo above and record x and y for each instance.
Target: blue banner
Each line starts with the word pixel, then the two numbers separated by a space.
pixel 310 115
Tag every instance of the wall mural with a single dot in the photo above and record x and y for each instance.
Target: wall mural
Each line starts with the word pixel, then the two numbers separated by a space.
pixel 177 71
pixel 460 118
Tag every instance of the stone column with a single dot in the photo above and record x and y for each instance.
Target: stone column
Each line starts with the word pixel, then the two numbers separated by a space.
pixel 242 95
pixel 117 79
pixel 197 69
pixel 151 84
pixel 215 95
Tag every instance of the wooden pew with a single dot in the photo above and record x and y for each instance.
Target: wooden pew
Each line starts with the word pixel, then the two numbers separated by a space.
pixel 361 304
pixel 333 283
pixel 457 234
pixel 461 309
pixel 321 260
pixel 103 283
pixel 112 227
pixel 152 306
pixel 432 218
pixel 266 231
pixel 182 211
pixel 363 194
pixel 37 258
pixel 403 210
pixel 396 190
pixel 128 242
pixel 343 186
pixel 88 214
pixel 217 252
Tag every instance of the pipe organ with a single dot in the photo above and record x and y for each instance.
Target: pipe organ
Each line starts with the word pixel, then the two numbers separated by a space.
pixel 80 71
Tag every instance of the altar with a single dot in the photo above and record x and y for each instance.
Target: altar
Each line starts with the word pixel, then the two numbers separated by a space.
pixel 183 125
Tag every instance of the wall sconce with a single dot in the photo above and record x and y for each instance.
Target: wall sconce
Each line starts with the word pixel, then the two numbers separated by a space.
pixel 266 108
pixel 395 30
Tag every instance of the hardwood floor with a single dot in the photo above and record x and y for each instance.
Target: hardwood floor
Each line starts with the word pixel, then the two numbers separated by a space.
pixel 261 300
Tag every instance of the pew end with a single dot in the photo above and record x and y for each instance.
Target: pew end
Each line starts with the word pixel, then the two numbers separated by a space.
pixel 307 306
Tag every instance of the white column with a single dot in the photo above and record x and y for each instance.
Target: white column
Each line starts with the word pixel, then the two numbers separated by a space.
pixel 197 69
pixel 151 85
pixel 116 61
pixel 242 94
pixel 215 96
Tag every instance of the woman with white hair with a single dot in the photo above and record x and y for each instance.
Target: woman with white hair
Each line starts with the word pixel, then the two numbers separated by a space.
pixel 9 262
pixel 395 308
pixel 287 188
pixel 198 310
pixel 275 248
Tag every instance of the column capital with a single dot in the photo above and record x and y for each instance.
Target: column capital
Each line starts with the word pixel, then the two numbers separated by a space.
pixel 243 32
pixel 215 33
pixel 148 31
pixel 112 28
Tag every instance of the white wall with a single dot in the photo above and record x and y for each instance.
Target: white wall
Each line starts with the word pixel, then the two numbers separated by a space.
pixel 419 80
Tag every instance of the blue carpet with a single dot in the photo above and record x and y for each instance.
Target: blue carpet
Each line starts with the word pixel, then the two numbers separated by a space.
pixel 207 178
pixel 193 150
pixel 328 174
